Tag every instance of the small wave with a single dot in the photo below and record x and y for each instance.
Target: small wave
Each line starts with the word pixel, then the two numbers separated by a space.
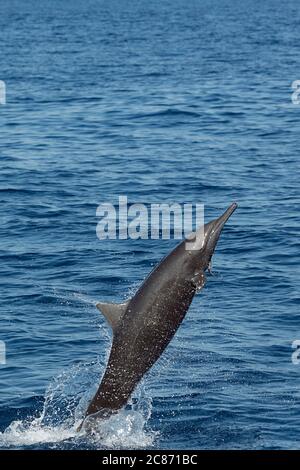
pixel 169 112
pixel 20 191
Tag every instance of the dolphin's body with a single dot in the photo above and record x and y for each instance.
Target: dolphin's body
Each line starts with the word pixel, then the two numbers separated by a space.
pixel 144 326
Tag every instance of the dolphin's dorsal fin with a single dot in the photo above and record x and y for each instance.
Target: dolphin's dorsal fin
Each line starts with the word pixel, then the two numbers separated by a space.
pixel 113 312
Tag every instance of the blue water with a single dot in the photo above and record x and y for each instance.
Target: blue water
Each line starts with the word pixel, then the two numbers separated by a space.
pixel 162 101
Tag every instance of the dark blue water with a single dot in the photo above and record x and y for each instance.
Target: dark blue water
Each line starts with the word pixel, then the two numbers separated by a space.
pixel 162 101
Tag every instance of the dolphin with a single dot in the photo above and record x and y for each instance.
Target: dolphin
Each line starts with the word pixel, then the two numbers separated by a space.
pixel 144 325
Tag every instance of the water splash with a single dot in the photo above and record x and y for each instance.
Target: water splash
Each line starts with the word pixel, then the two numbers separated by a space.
pixel 123 430
pixel 65 402
pixel 25 433
pixel 69 297
pixel 85 298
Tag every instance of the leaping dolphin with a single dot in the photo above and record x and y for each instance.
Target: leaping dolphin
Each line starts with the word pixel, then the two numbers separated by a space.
pixel 144 325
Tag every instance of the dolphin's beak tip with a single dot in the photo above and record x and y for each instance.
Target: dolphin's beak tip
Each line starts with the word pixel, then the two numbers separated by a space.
pixel 232 208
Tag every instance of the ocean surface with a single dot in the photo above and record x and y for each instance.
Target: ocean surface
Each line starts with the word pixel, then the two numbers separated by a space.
pixel 161 101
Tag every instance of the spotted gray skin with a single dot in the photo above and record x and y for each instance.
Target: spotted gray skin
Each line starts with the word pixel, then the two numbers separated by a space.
pixel 144 326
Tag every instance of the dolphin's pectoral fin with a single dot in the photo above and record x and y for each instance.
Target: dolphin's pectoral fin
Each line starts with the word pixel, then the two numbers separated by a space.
pixel 209 267
pixel 198 280
pixel 113 312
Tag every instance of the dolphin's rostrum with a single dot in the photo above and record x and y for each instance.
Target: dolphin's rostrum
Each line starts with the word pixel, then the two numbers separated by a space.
pixel 144 325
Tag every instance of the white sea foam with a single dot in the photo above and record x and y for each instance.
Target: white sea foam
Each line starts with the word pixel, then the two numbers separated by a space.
pixel 29 433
